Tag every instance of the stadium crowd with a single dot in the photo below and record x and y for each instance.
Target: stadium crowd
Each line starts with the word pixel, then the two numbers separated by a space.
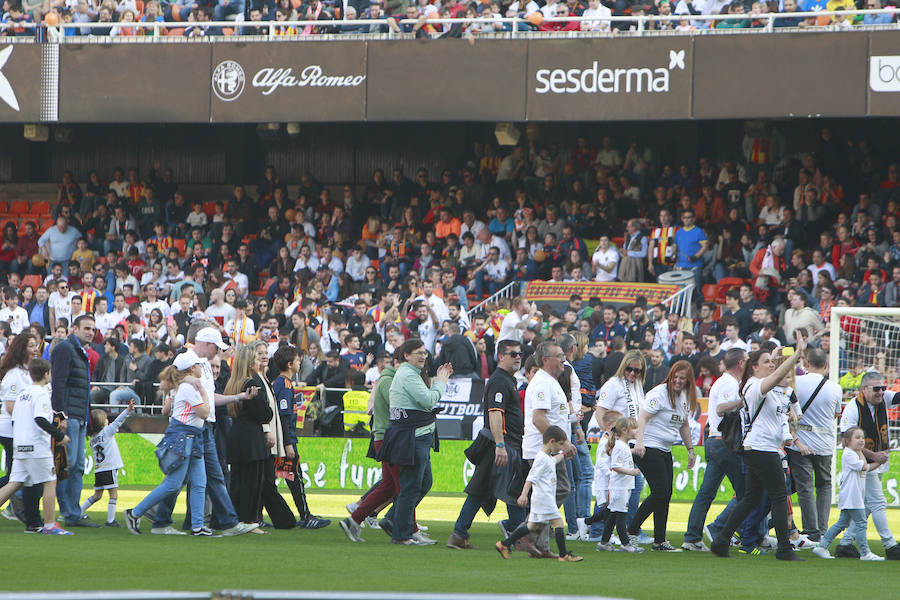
pixel 386 16
pixel 233 305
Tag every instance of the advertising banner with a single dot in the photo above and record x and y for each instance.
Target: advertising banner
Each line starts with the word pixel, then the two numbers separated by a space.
pixel 446 80
pixel 20 82
pixel 614 293
pixel 341 464
pixel 884 74
pixel 783 75
pixel 133 83
pixel 606 79
pixel 288 81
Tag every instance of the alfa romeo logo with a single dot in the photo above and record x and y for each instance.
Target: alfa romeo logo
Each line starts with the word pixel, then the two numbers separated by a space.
pixel 228 80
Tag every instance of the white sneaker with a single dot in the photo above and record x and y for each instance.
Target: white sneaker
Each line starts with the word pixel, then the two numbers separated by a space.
pixel 769 543
pixel 632 549
pixel 822 552
pixel 573 537
pixel 870 556
pixel 801 543
pixel 351 508
pixel 167 530
pixel 422 527
pixel 582 529
pixel 422 538
pixel 7 513
pixel 240 529
pixel 372 523
pixel 707 534
pixel 351 529
pixel 694 547
pixel 614 540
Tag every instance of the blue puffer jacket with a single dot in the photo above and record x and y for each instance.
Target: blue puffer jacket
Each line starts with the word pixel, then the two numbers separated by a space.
pixel 70 378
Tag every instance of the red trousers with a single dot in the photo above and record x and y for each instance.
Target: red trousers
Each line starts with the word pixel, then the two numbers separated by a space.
pixel 387 490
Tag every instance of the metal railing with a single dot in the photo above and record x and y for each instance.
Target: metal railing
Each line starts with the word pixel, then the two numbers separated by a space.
pixel 507 291
pixel 510 27
pixel 680 301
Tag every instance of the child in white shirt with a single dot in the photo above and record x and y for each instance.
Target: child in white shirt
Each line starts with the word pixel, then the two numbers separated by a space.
pixel 600 487
pixel 33 456
pixel 107 460
pixel 621 481
pixel 851 496
pixel 541 481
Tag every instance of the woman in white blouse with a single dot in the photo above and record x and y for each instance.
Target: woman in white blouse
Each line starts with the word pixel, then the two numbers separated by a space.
pixel 765 432
pixel 663 420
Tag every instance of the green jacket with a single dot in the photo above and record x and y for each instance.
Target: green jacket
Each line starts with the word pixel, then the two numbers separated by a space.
pixel 381 410
pixel 408 390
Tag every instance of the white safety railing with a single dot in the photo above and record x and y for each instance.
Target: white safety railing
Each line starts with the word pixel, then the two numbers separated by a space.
pixel 509 27
pixel 680 301
pixel 509 290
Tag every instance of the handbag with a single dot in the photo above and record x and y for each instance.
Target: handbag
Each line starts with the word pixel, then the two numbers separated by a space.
pixel 733 431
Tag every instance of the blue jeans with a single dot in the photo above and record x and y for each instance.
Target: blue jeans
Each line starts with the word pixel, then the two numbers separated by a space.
pixel 68 491
pixel 581 474
pixel 123 396
pixel 720 463
pixel 492 286
pixel 223 509
pixel 191 469
pixel 415 482
pixel 851 519
pixel 234 7
pixel 875 506
pixel 471 507
pixel 635 499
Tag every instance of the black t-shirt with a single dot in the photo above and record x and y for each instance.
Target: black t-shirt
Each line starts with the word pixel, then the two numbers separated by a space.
pixel 500 393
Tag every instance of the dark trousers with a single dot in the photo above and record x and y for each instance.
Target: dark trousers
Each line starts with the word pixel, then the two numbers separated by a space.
pixel 7 444
pixel 272 501
pixel 764 472
pixel 298 491
pixel 415 482
pixel 720 463
pixel 383 493
pixel 246 489
pixel 656 465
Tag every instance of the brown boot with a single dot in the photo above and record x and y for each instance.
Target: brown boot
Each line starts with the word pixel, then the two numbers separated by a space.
pixel 459 543
pixel 526 545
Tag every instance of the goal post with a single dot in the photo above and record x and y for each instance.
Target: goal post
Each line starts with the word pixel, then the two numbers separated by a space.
pixel 864 339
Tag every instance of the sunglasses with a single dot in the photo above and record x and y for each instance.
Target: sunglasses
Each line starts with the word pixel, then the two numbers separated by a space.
pixel 879 388
pixel 635 370
pixel 513 354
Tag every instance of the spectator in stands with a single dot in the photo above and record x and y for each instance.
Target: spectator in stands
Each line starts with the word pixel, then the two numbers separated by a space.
pixel 605 260
pixel 799 315
pixel 58 243
pixel 26 248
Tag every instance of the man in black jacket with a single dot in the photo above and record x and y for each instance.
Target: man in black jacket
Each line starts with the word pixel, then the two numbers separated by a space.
pixel 504 450
pixel 458 351
pixel 71 383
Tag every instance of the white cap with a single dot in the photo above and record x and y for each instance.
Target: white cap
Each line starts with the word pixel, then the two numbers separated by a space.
pixel 212 336
pixel 186 360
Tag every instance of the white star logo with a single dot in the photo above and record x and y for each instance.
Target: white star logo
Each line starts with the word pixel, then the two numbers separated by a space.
pixel 6 92
pixel 676 59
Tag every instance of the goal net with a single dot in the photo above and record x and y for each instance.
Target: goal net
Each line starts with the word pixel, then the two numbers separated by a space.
pixel 866 339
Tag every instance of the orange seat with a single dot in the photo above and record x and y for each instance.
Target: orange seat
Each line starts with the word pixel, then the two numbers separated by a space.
pixel 266 284
pixel 177 31
pixel 180 245
pixel 258 293
pixel 709 291
pixel 46 224
pixel 618 241
pixel 4 206
pixel 249 238
pixel 725 284
pixel 227 31
pixel 209 208
pixel 35 281
pixel 40 208
pixel 18 207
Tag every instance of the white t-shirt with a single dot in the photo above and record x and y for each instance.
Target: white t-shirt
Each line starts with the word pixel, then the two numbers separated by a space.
pixel 724 390
pixel 220 314
pixel 437 306
pixel 209 385
pixel 104 446
pixel 575 388
pixel 664 428
pixel 241 280
pixel 605 257
pixel 14 383
pixel 770 429
pixel 543 483
pixel 16 317
pixel 186 398
pixel 853 480
pixel 509 329
pixel 29 440
pixel 427 333
pixel 62 306
pixel 621 396
pixel 105 321
pixel 601 469
pixel 240 329
pixel 739 344
pixel 820 415
pixel 148 307
pixel 543 392
pixel 621 457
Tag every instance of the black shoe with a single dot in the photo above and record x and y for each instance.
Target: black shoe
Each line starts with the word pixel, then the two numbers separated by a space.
pixel 82 522
pixel 36 529
pixel 313 522
pixel 892 553
pixel 790 555
pixel 720 548
pixel 846 551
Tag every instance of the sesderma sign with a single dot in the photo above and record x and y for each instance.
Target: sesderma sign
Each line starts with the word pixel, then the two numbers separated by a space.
pixel 609 80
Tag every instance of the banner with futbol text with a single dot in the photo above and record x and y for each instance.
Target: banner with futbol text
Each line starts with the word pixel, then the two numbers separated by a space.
pixel 611 292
